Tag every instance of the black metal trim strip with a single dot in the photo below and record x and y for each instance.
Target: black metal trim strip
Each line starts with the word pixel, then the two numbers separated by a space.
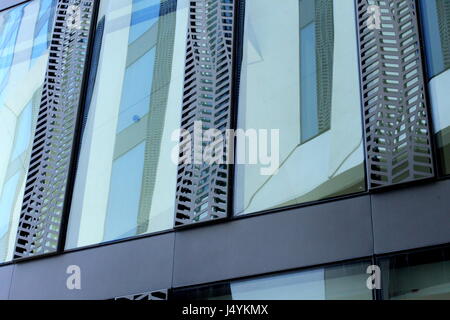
pixel 76 144
pixel 8 4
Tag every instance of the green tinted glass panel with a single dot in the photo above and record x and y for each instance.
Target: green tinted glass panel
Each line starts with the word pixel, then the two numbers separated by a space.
pixel 421 275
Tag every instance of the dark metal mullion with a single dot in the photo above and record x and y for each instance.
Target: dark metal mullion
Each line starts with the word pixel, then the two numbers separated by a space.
pixel 238 38
pixel 363 125
pixel 12 5
pixel 77 138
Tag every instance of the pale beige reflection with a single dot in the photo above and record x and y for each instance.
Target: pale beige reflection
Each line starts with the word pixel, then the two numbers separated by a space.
pixel 330 164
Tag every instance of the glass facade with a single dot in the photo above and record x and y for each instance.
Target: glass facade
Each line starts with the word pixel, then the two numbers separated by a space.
pixel 299 79
pixel 340 282
pixel 25 32
pixel 300 75
pixel 417 276
pixel 126 180
pixel 436 32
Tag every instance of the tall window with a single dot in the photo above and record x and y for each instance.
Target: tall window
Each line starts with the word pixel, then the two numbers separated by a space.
pixel 126 180
pixel 436 31
pixel 25 32
pixel 299 76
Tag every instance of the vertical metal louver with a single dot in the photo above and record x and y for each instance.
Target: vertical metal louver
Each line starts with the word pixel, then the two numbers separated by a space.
pixel 45 190
pixel 202 188
pixel 397 129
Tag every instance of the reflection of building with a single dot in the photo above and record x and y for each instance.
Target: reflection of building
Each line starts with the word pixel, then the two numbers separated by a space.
pixel 325 105
pixel 127 126
pixel 443 16
pixel 436 27
pixel 160 90
pixel 24 37
pixel 316 31
pixel 351 110
pixel 147 128
pixel 324 51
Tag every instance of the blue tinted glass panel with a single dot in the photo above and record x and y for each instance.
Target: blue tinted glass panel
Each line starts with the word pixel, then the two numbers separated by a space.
pixel 308 82
pixel 23 133
pixel 126 179
pixel 24 34
pixel 136 90
pixel 435 18
pixel 145 15
pixel 434 22
pixel 126 183
pixel 44 23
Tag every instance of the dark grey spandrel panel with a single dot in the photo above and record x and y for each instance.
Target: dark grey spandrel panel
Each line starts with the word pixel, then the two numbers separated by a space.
pixel 107 272
pixel 4 4
pixel 6 273
pixel 303 237
pixel 413 217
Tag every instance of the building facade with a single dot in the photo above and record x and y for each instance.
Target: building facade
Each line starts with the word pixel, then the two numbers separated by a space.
pixel 224 149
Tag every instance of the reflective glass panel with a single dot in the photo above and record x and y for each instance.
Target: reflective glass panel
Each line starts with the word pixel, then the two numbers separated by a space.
pixel 126 181
pixel 421 275
pixel 341 282
pixel 299 76
pixel 25 32
pixel 435 20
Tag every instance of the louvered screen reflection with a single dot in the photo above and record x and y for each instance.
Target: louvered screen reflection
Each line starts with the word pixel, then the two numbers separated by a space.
pixel 154 295
pixel 202 187
pixel 397 128
pixel 45 190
